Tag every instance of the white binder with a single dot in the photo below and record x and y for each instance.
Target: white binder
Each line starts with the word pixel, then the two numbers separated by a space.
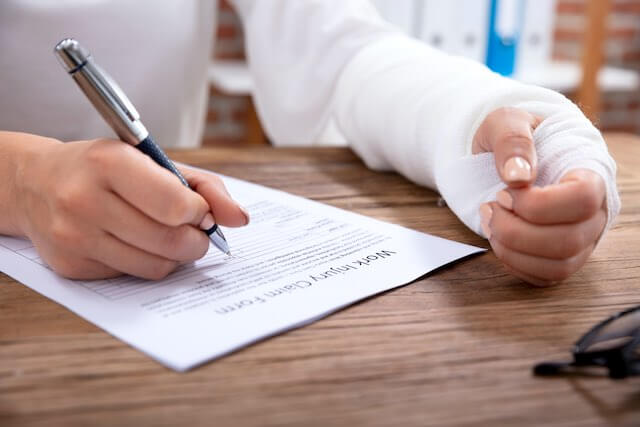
pixel 536 41
pixel 458 27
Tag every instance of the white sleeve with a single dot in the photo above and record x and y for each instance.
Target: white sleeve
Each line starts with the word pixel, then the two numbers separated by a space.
pixel 405 106
pixel 401 104
pixel 296 51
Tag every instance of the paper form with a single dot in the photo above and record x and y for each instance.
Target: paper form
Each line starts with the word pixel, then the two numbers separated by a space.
pixel 297 261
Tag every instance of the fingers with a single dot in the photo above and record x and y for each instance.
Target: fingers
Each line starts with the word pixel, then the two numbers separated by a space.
pixel 159 194
pixel 577 197
pixel 226 211
pixel 76 267
pixel 541 270
pixel 508 133
pixel 127 259
pixel 557 241
pixel 81 251
pixel 71 260
pixel 85 269
pixel 141 182
pixel 535 281
pixel 548 250
pixel 182 243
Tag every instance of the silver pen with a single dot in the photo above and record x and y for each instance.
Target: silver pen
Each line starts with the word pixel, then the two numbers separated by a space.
pixel 114 106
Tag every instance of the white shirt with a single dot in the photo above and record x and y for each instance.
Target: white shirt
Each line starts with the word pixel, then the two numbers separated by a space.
pixel 399 104
pixel 158 51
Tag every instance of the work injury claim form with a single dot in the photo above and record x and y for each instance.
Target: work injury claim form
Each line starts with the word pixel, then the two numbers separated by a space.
pixel 297 261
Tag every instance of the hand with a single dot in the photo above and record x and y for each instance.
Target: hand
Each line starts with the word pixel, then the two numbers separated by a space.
pixel 98 209
pixel 542 234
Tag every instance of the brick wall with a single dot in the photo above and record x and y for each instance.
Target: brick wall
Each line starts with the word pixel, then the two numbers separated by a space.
pixel 621 111
pixel 227 115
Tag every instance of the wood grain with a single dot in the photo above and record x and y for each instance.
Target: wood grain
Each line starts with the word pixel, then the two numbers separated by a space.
pixel 453 349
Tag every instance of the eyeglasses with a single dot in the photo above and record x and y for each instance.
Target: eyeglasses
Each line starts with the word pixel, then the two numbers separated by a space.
pixel 613 343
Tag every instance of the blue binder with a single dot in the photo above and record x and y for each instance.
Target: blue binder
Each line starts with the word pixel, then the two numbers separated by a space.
pixel 504 34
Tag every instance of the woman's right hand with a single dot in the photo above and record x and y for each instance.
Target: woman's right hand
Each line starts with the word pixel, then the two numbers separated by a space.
pixel 98 209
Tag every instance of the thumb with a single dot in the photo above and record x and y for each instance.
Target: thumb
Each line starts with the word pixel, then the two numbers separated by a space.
pixel 508 133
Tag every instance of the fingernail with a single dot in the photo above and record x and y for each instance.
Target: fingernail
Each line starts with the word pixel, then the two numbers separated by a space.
pixel 207 222
pixel 244 211
pixel 517 169
pixel 485 214
pixel 505 200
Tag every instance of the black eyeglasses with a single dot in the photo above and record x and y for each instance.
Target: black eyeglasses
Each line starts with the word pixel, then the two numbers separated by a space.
pixel 613 343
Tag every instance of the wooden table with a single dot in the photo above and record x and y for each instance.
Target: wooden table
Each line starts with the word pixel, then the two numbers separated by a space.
pixel 455 348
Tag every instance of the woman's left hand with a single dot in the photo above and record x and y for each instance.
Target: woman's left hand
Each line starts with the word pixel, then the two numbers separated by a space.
pixel 542 234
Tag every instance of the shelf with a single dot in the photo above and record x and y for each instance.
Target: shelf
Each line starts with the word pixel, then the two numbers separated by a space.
pixel 566 76
pixel 233 77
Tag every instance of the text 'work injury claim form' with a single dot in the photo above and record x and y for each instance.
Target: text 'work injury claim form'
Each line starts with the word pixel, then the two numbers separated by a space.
pixel 297 261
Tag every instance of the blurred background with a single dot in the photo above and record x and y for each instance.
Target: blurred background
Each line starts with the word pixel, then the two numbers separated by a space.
pixel 587 49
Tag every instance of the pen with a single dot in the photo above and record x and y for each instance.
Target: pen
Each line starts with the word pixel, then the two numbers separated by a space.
pixel 114 106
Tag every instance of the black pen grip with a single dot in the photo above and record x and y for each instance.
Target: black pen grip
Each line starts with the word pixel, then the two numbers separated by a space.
pixel 152 150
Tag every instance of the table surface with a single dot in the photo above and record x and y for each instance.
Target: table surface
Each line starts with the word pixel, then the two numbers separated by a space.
pixel 454 348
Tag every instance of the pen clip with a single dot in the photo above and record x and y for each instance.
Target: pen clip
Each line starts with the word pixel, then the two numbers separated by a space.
pixel 117 94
